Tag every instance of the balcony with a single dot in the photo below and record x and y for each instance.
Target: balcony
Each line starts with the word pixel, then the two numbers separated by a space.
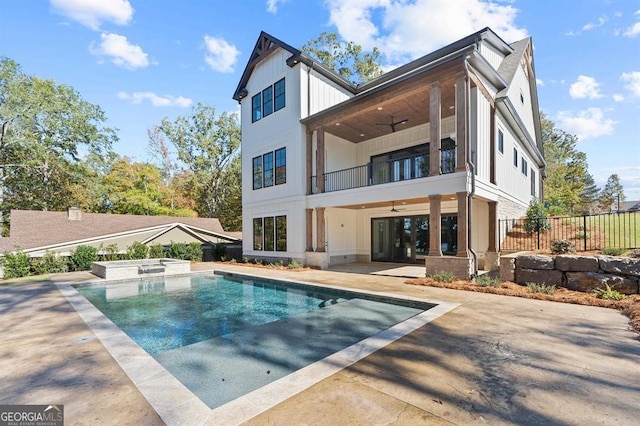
pixel 381 172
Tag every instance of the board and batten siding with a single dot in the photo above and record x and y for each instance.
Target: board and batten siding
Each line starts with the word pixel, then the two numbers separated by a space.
pixel 520 86
pixel 491 55
pixel 480 134
pixel 323 93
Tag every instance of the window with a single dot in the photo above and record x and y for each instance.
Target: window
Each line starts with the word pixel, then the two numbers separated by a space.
pixel 281 233
pixel 533 183
pixel 281 166
pixel 278 89
pixel 256 108
pixel 257 233
pixel 267 164
pixel 257 172
pixel 525 167
pixel 515 157
pixel 521 98
pixel 267 101
pixel 270 233
pixel 500 142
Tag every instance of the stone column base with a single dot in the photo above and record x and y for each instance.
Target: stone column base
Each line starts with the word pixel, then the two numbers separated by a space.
pixel 492 261
pixel 317 259
pixel 461 267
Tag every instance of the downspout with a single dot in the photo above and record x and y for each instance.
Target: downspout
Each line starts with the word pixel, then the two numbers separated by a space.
pixel 472 169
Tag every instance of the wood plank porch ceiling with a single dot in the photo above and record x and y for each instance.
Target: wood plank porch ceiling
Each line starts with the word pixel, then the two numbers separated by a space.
pixel 369 115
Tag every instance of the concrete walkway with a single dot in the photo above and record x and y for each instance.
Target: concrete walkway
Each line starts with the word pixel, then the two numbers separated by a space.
pixel 492 360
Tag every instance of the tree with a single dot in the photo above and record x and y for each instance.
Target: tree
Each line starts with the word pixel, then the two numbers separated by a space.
pixel 612 193
pixel 345 58
pixel 44 130
pixel 209 146
pixel 589 195
pixel 567 174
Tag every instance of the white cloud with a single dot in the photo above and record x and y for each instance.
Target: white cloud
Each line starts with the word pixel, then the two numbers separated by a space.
pixel 585 87
pixel 633 30
pixel 586 124
pixel 156 100
pixel 633 82
pixel 540 82
pixel 406 30
pixel 221 56
pixel 617 97
pixel 272 5
pixel 121 52
pixel 592 25
pixel 92 13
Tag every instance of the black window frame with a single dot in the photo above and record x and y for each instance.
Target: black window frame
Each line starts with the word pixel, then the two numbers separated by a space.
pixel 267 169
pixel 281 233
pixel 533 182
pixel 515 157
pixel 524 166
pixel 258 172
pixel 268 91
pixel 258 237
pixel 500 142
pixel 280 166
pixel 269 224
pixel 279 99
pixel 256 107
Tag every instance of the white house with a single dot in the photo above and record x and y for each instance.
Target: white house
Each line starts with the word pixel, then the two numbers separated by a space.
pixel 417 165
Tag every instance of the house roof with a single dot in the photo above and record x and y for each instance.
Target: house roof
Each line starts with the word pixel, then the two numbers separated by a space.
pixel 32 228
pixel 629 206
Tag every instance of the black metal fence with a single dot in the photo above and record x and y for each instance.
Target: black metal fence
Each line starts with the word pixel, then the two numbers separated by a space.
pixel 588 232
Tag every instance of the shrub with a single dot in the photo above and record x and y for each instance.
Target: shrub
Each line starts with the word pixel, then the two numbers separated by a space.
pixel 541 288
pixel 137 250
pixel 109 252
pixel 295 265
pixel 82 258
pixel 177 250
pixel 612 251
pixel 156 251
pixel 219 251
pixel 562 246
pixel 487 281
pixel 50 263
pixel 15 265
pixel 635 253
pixel 193 252
pixel 537 218
pixel 609 293
pixel 443 277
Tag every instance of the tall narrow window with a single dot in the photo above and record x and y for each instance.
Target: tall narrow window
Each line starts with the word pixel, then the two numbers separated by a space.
pixel 257 233
pixel 281 233
pixel 281 166
pixel 269 233
pixel 257 172
pixel 533 183
pixel 268 168
pixel 515 157
pixel 525 167
pixel 256 108
pixel 279 94
pixel 500 142
pixel 267 101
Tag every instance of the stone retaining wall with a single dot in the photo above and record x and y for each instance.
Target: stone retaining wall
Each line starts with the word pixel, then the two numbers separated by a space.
pixel 581 273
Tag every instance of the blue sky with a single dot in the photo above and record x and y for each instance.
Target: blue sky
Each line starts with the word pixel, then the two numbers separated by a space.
pixel 143 60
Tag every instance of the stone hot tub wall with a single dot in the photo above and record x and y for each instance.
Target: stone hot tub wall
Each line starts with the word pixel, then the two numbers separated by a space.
pixel 581 273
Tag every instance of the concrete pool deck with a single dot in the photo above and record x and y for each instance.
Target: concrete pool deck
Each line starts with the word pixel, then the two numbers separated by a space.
pixel 492 360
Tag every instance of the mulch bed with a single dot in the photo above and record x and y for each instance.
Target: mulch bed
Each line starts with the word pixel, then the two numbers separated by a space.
pixel 629 306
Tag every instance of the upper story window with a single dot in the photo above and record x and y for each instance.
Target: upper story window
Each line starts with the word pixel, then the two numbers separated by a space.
pixel 533 183
pixel 281 166
pixel 267 161
pixel 267 172
pixel 525 167
pixel 257 172
pixel 515 157
pixel 268 101
pixel 521 97
pixel 500 142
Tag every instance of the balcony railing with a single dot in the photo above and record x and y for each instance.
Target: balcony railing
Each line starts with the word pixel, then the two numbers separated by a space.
pixel 377 173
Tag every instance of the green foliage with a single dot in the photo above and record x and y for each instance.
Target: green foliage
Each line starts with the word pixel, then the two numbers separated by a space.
pixel 137 250
pixel 82 258
pixel 194 252
pixel 15 265
pixel 488 281
pixel 345 58
pixel 156 251
pixel 109 253
pixel 50 263
pixel 177 250
pixel 537 219
pixel 294 264
pixel 562 246
pixel 609 293
pixel 613 251
pixel 611 194
pixel 443 277
pixel 541 288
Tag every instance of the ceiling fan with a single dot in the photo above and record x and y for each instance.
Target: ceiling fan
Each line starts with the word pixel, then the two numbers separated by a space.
pixel 393 124
pixel 393 207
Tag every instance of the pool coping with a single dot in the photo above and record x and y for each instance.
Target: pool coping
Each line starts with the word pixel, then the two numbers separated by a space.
pixel 176 404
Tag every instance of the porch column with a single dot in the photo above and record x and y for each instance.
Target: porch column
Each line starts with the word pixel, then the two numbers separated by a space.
pixel 493 221
pixel 320 161
pixel 435 225
pixel 463 230
pixel 309 163
pixel 461 124
pixel 309 217
pixel 320 229
pixel 493 147
pixel 435 144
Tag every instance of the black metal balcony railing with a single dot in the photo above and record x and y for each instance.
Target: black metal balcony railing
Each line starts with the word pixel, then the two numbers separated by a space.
pixel 377 173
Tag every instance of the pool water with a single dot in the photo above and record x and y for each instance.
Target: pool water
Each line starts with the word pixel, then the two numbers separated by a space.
pixel 223 337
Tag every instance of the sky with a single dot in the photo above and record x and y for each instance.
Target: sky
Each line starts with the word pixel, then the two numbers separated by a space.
pixel 145 60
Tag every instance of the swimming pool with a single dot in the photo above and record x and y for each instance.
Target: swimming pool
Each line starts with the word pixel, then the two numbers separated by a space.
pixel 223 337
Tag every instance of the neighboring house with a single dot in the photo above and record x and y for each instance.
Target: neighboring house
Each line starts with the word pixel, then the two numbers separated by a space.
pixel 626 206
pixel 35 232
pixel 417 165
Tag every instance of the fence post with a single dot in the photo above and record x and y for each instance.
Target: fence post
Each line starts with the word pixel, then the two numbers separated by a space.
pixel 500 236
pixel 584 227
pixel 538 231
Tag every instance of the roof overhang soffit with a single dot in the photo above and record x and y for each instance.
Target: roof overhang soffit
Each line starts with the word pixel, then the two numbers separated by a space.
pixel 508 111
